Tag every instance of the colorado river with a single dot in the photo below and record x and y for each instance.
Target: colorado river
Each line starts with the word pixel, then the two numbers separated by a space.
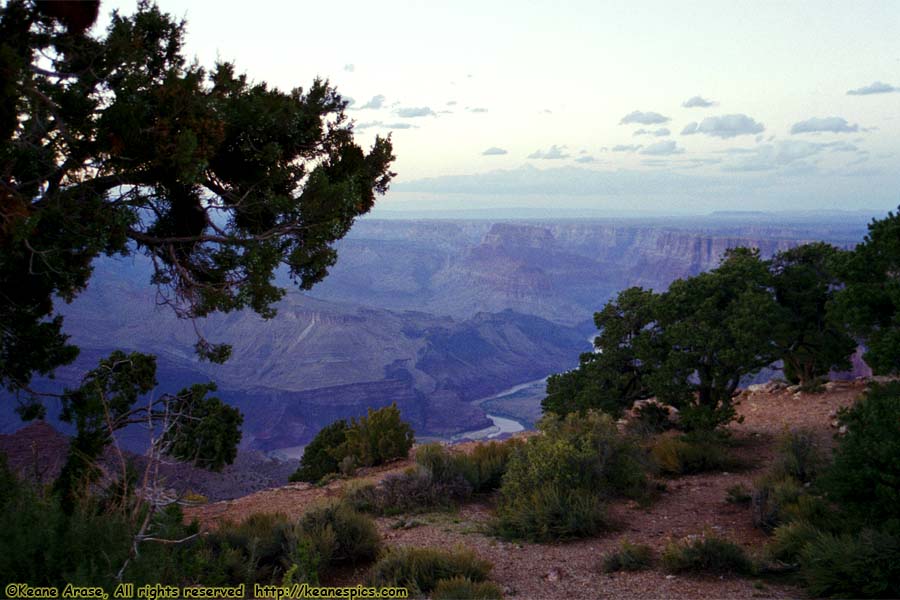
pixel 501 425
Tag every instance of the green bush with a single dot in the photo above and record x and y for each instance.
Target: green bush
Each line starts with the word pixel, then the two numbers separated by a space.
pixel 259 549
pixel 417 490
pixel 323 454
pixel 864 565
pixel 788 540
pixel 460 588
pixel 707 554
pixel 548 513
pixel 340 534
pixel 363 497
pixel 43 544
pixel 697 452
pixel 379 437
pixel 628 557
pixel 864 479
pixel 421 569
pixel 772 496
pixel 799 455
pixel 738 494
pixel 556 483
pixel 651 418
pixel 485 466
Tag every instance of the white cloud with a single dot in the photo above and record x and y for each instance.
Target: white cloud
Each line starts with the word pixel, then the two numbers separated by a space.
pixel 661 132
pixel 666 148
pixel 643 118
pixel 553 153
pixel 413 112
pixel 725 126
pixel 494 151
pixel 876 87
pixel 826 124
pixel 375 103
pixel 627 147
pixel 698 102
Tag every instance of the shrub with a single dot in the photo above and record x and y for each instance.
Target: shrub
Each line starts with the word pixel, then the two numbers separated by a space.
pixel 379 437
pixel 738 494
pixel 485 466
pixel 864 479
pixel 578 452
pixel 707 554
pixel 259 549
pixel 420 569
pixel 799 455
pixel 363 497
pixel 771 498
pixel 651 418
pixel 865 565
pixel 555 484
pixel 629 557
pixel 697 452
pixel 438 461
pixel 547 514
pixel 323 454
pixel 340 534
pixel 788 540
pixel 44 545
pixel 460 588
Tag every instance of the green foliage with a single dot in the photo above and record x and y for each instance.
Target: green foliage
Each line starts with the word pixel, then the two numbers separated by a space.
pixel 613 377
pixel 378 437
pixel 650 418
pixel 628 557
pixel 44 545
pixel 810 340
pixel 738 494
pixel 340 534
pixel 461 588
pixel 870 300
pixel 362 496
pixel 799 455
pixel 209 432
pixel 863 565
pixel 689 347
pixel 772 495
pixel 864 478
pixel 321 455
pixel 712 330
pixel 695 453
pixel 486 464
pixel 259 549
pixel 556 484
pixel 789 539
pixel 421 569
pixel 707 555
pixel 482 468
pixel 417 490
pixel 196 428
pixel 217 179
pixel 549 513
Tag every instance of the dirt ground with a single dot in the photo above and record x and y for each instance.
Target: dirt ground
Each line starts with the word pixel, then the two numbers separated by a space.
pixel 690 505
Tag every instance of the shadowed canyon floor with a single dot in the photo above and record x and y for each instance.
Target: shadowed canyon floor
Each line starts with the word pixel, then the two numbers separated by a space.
pixel 690 505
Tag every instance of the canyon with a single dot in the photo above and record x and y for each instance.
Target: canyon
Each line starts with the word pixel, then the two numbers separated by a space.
pixel 434 315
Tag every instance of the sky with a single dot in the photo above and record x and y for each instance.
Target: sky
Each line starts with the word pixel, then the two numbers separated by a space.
pixel 639 106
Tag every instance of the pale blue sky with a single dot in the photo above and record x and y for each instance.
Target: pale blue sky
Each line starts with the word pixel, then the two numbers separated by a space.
pixel 583 104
